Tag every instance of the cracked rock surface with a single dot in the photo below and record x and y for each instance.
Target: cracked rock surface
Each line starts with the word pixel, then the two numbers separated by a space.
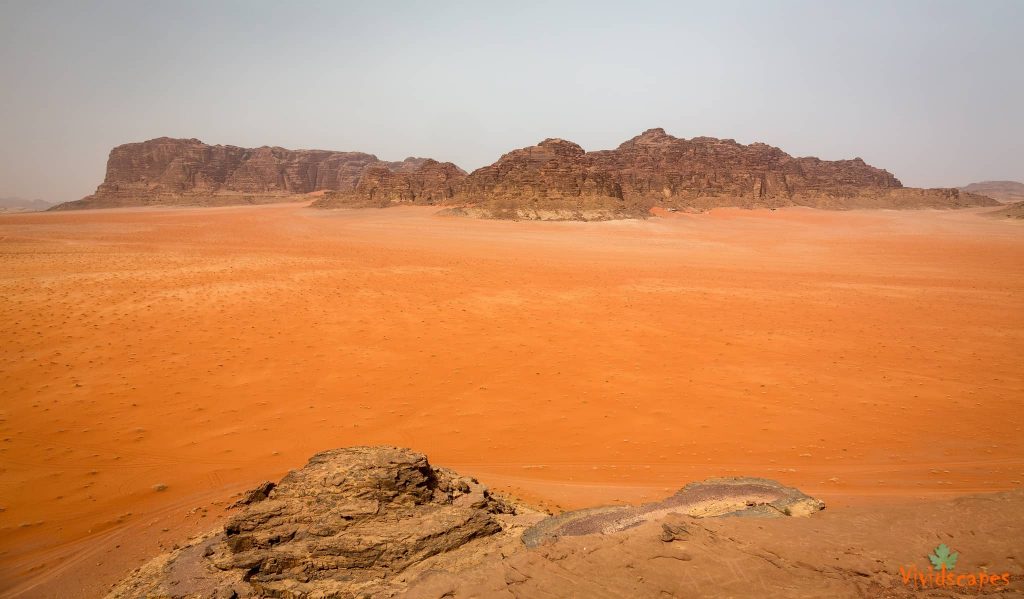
pixel 353 522
pixel 382 522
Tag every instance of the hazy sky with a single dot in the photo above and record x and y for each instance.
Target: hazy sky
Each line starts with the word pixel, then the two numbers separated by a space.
pixel 932 91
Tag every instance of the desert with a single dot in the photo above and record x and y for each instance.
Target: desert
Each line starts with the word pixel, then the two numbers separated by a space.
pixel 449 300
pixel 160 361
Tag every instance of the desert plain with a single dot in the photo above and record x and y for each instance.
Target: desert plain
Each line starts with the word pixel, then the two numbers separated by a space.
pixel 156 362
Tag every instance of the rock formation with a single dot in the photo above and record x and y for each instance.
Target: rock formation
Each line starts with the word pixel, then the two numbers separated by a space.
pixel 381 522
pixel 353 522
pixel 855 553
pixel 713 498
pixel 429 183
pixel 168 171
pixel 1004 191
pixel 556 179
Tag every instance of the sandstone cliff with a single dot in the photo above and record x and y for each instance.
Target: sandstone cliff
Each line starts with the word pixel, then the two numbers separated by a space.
pixel 166 171
pixel 557 178
pixel 429 183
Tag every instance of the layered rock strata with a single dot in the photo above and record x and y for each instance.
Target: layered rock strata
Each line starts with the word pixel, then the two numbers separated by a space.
pixel 555 179
pixel 381 522
pixel 430 183
pixel 166 171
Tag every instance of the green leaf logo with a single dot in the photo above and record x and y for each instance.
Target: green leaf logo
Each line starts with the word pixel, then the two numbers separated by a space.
pixel 942 557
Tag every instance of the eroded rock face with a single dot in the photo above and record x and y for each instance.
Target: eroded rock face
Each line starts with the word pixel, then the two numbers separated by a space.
pixel 558 178
pixel 167 171
pixel 426 183
pixel 554 180
pixel 353 522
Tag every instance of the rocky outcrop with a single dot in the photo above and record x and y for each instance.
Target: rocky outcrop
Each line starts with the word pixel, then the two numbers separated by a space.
pixel 427 183
pixel 679 171
pixel 713 498
pixel 353 522
pixel 166 171
pixel 1004 191
pixel 871 551
pixel 382 522
pixel 557 178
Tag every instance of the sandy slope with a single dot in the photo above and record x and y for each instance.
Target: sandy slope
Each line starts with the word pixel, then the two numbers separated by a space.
pixel 860 356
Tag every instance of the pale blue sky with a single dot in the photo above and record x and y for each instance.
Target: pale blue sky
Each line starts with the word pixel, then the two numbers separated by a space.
pixel 932 91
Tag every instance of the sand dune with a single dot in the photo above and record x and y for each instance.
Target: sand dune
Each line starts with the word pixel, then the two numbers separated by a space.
pixel 157 361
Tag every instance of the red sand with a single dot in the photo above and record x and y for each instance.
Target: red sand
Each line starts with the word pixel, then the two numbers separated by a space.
pixel 860 356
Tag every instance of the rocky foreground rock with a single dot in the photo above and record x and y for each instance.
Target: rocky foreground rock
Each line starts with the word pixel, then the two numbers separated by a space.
pixel 352 523
pixel 382 522
pixel 379 521
pixel 555 179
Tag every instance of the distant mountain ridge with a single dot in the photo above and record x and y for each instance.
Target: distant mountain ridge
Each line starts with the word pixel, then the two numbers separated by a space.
pixel 1004 191
pixel 555 179
pixel 16 204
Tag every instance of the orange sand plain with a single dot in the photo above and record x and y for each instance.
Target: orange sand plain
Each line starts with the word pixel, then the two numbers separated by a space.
pixel 861 356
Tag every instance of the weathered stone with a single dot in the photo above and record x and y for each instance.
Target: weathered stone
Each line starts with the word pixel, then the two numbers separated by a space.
pixel 715 497
pixel 349 523
pixel 428 183
pixel 166 171
pixel 558 179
